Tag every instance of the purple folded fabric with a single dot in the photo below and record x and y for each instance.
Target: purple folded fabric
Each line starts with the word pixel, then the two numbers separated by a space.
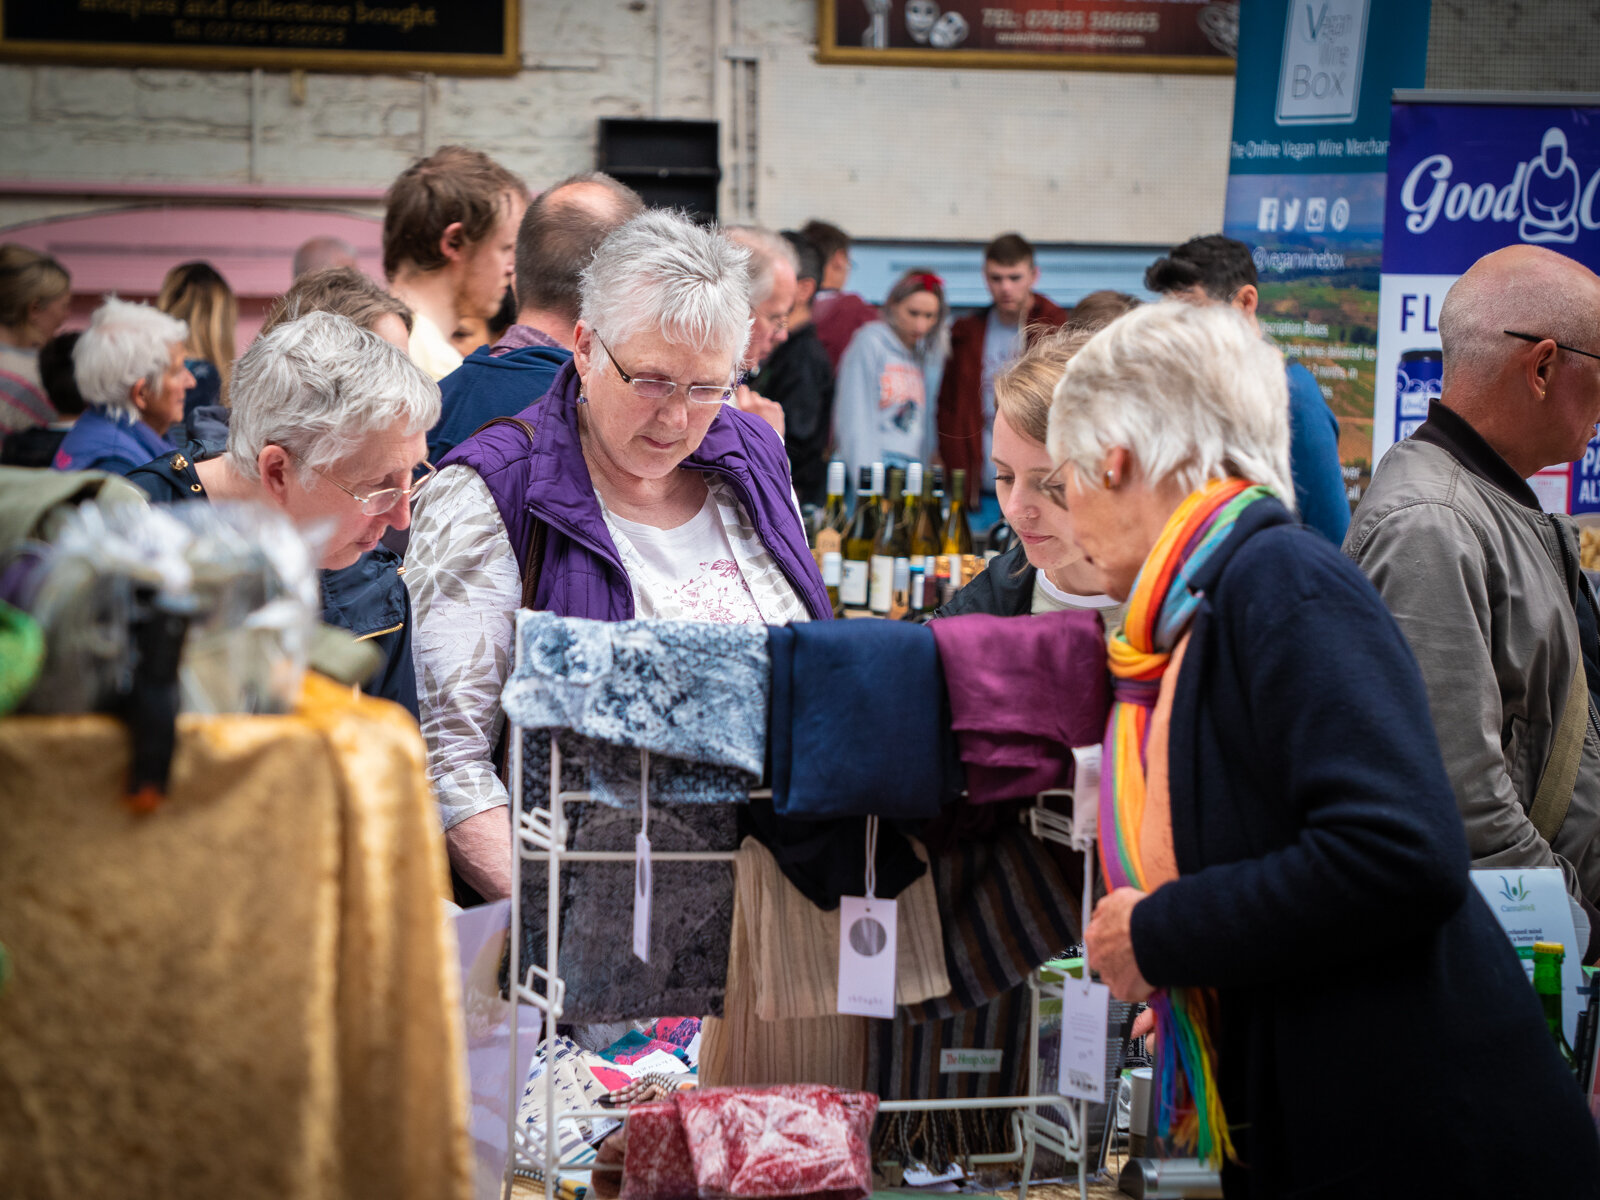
pixel 1023 692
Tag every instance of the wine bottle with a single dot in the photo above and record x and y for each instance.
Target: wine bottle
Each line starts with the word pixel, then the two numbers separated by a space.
pixel 919 588
pixel 925 529
pixel 835 516
pixel 957 538
pixel 832 576
pixel 893 541
pixel 856 565
pixel 1001 538
pixel 941 507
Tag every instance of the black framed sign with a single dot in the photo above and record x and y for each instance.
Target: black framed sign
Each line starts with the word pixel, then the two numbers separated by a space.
pixel 1187 36
pixel 458 37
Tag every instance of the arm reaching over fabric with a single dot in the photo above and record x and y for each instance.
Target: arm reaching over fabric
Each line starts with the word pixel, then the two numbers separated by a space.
pixel 1366 846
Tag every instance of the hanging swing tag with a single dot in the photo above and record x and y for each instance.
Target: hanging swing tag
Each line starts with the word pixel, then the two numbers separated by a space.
pixel 867 929
pixel 866 956
pixel 643 892
pixel 1084 1011
pixel 1085 797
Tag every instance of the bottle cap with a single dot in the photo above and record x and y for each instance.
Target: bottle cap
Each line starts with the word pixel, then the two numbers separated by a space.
pixel 1555 949
pixel 914 479
pixel 877 479
pixel 836 478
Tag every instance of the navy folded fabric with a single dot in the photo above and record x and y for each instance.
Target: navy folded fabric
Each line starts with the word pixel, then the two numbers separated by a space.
pixel 860 722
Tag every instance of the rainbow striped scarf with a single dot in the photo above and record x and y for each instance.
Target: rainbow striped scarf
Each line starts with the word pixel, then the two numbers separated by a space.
pixel 1159 611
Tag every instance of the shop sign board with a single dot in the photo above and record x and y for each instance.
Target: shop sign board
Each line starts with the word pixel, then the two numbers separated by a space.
pixel 1184 36
pixel 1532 906
pixel 464 37
pixel 1468 175
pixel 1306 180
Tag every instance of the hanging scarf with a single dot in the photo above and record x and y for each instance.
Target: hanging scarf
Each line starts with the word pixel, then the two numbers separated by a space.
pixel 1159 611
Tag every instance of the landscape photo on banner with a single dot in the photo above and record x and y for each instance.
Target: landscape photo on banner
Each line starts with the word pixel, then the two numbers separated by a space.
pixel 1465 179
pixel 1306 179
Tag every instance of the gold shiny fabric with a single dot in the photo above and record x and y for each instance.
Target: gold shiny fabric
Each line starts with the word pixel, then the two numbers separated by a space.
pixel 249 992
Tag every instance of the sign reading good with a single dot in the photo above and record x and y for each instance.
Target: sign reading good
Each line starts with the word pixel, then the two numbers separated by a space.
pixel 468 37
pixel 1106 35
pixel 1464 180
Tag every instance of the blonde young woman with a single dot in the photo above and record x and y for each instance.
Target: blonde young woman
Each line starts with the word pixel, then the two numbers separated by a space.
pixel 1045 571
pixel 35 293
pixel 197 294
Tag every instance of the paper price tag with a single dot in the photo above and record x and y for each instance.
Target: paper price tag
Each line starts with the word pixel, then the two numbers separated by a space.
pixel 1083 1040
pixel 866 956
pixel 1085 796
pixel 643 892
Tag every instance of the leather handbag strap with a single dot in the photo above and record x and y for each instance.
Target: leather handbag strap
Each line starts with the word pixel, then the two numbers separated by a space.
pixel 1560 776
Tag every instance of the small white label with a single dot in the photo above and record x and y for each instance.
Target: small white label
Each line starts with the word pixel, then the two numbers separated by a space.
pixel 866 956
pixel 1083 1040
pixel 643 890
pixel 832 564
pixel 963 1062
pixel 881 599
pixel 1085 796
pixel 853 583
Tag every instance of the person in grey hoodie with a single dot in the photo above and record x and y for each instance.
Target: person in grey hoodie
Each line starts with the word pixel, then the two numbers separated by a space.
pixel 889 378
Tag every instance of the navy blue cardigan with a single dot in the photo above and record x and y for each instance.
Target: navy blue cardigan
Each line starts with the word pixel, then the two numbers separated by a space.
pixel 1373 1015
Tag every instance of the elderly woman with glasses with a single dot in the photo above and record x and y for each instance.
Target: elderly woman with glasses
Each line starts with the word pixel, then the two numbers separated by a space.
pixel 1287 872
pixel 632 488
pixel 328 423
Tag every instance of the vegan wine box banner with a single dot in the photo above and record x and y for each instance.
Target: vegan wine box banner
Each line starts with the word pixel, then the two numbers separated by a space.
pixel 1465 178
pixel 1305 183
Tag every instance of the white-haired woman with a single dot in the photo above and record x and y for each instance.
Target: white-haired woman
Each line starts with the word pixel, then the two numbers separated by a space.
pixel 129 366
pixel 1287 870
pixel 328 423
pixel 632 488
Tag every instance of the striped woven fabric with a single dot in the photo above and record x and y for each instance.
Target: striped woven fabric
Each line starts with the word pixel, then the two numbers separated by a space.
pixel 1005 910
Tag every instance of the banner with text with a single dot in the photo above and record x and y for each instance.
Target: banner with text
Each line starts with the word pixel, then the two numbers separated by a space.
pixel 1465 179
pixel 1306 184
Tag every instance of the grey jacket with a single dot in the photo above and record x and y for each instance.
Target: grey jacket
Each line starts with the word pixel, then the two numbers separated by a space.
pixel 1483 587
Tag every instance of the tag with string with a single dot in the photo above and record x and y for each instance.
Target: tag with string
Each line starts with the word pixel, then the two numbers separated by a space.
pixel 643 881
pixel 1085 1010
pixel 867 932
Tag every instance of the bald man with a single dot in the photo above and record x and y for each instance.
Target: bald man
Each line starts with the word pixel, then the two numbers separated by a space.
pixel 1486 586
pixel 320 253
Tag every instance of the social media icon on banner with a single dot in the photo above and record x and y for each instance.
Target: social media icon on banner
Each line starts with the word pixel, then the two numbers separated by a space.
pixel 1316 214
pixel 1339 215
pixel 1291 213
pixel 1267 221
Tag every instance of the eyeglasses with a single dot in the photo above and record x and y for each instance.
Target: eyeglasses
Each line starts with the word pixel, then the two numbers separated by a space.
pixel 1529 337
pixel 383 500
pixel 657 390
pixel 778 322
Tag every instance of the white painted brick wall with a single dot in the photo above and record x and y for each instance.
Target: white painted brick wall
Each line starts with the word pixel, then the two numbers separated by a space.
pixel 593 58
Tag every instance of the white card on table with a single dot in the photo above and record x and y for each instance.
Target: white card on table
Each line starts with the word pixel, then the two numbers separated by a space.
pixel 1083 1040
pixel 643 891
pixel 866 956
pixel 1532 906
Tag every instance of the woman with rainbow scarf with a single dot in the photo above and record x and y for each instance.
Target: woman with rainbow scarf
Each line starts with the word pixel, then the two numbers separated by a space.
pixel 1286 869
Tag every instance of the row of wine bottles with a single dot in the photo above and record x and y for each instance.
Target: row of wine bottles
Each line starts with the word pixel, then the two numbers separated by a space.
pixel 901 549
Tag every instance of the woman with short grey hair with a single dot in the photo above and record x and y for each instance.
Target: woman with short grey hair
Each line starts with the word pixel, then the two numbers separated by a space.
pixel 1272 800
pixel 129 368
pixel 328 424
pixel 632 488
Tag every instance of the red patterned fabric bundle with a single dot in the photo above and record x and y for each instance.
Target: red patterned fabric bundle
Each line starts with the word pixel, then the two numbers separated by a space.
pixel 801 1140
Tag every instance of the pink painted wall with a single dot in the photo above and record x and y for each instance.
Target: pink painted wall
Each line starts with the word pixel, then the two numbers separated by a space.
pixel 130 250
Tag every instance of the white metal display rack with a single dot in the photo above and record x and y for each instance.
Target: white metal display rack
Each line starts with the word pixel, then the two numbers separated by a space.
pixel 541 836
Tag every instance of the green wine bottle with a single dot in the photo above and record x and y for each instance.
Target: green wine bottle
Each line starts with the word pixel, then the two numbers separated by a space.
pixel 957 538
pixel 856 565
pixel 893 541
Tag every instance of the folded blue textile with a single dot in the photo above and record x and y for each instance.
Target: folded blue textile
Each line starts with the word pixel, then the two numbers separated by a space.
pixel 690 691
pixel 860 722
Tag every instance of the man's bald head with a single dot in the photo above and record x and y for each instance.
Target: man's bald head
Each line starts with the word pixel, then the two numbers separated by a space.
pixel 1525 288
pixel 559 235
pixel 320 253
pixel 1535 403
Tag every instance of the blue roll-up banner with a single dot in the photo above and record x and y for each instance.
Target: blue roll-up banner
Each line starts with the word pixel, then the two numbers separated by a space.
pixel 1466 178
pixel 1306 183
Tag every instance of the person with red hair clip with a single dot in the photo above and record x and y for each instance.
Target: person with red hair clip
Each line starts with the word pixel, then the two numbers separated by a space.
pixel 889 377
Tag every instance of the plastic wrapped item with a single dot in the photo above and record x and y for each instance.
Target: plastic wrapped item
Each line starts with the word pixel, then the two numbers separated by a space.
pixel 238 578
pixel 802 1140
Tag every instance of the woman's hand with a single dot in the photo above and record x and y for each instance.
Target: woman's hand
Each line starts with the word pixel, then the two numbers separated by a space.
pixel 1110 944
pixel 758 405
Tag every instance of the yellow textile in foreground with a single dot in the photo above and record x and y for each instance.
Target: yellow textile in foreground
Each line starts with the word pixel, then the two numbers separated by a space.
pixel 250 992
